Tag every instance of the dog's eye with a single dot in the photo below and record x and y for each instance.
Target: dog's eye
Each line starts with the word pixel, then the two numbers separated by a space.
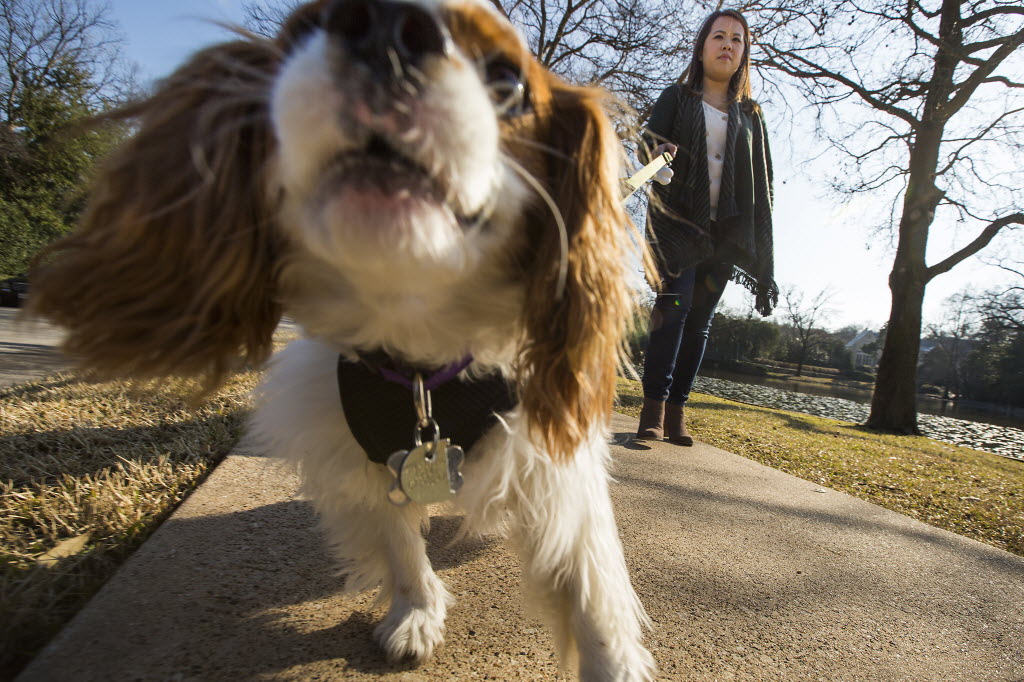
pixel 508 88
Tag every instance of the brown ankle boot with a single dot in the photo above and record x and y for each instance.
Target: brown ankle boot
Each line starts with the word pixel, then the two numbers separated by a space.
pixel 652 417
pixel 675 425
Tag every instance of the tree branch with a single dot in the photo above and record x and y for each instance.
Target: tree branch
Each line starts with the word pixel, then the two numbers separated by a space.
pixel 956 154
pixel 1004 80
pixel 979 243
pixel 966 89
pixel 816 72
pixel 992 12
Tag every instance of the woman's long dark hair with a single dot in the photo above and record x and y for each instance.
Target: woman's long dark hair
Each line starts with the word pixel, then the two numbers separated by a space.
pixel 739 84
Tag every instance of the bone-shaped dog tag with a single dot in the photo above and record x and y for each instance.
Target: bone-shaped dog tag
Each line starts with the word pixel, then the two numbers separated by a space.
pixel 426 474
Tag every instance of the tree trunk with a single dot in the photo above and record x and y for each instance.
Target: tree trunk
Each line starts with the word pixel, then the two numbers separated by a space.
pixel 894 403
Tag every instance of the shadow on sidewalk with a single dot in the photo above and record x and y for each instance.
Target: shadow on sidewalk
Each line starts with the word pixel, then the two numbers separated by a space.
pixel 254 592
pixel 881 525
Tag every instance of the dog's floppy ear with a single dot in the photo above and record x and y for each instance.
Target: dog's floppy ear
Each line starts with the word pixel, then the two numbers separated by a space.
pixel 575 333
pixel 172 268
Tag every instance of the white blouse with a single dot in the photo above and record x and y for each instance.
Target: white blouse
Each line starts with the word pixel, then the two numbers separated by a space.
pixel 716 123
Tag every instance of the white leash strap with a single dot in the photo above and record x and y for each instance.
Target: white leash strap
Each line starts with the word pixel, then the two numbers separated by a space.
pixel 648 171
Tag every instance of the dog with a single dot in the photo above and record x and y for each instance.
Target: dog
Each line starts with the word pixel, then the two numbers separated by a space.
pixel 427 202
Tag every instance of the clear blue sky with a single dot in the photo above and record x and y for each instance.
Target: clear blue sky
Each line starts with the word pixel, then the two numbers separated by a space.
pixel 818 243
pixel 160 35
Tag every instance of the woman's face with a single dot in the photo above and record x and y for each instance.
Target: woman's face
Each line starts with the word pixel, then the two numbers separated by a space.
pixel 723 49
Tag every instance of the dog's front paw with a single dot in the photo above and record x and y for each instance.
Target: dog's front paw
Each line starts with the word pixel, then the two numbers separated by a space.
pixel 410 633
pixel 630 663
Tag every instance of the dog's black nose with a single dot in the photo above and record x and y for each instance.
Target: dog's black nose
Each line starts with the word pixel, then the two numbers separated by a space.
pixel 386 35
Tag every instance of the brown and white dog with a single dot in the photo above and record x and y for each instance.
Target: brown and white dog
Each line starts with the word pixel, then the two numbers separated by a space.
pixel 400 177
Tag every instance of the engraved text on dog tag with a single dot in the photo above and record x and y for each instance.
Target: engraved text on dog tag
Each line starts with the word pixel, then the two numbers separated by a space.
pixel 426 474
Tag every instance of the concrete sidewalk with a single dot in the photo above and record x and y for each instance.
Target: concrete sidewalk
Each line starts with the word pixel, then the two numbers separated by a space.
pixel 748 574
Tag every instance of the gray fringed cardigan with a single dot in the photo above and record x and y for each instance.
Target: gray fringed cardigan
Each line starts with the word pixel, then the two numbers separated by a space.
pixel 679 221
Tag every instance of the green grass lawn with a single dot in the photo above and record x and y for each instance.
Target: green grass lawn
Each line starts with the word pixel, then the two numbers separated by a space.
pixel 820 381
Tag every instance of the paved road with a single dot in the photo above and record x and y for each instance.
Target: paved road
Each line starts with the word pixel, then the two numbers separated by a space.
pixel 748 574
pixel 28 348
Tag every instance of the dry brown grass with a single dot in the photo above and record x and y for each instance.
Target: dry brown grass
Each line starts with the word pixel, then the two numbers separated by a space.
pixel 969 492
pixel 87 472
pixel 108 461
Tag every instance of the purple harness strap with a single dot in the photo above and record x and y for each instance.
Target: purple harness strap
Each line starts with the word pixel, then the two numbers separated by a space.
pixel 441 376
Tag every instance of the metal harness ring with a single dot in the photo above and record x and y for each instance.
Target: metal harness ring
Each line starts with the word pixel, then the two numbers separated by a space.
pixel 421 399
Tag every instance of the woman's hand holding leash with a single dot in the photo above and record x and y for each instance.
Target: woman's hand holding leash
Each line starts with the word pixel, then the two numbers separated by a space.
pixel 658 168
pixel 664 176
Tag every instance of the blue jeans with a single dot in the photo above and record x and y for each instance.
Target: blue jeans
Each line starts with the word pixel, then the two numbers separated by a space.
pixel 680 324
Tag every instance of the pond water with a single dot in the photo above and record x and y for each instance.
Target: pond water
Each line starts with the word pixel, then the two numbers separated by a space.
pixel 926 405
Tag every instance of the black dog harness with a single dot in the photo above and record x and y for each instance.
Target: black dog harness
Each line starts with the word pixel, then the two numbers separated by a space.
pixel 376 397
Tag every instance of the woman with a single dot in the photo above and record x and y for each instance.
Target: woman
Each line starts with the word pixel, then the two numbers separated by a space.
pixel 713 222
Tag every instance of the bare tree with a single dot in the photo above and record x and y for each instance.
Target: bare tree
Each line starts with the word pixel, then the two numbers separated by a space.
pixel 1003 306
pixel 923 99
pixel 41 39
pixel 806 319
pixel 952 336
pixel 264 17
pixel 635 48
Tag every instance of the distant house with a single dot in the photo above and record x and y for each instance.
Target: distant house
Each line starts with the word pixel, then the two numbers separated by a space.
pixel 857 343
pixel 864 359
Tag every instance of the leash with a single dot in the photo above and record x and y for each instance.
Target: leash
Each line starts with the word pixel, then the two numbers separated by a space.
pixel 647 172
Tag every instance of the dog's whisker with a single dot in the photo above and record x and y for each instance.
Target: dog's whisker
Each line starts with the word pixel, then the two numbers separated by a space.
pixel 504 424
pixel 416 75
pixel 234 65
pixel 251 37
pixel 396 64
pixel 201 164
pixel 408 87
pixel 536 144
pixel 563 233
pixel 236 123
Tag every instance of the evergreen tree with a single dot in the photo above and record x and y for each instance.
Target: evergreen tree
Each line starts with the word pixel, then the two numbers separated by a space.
pixel 57 77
